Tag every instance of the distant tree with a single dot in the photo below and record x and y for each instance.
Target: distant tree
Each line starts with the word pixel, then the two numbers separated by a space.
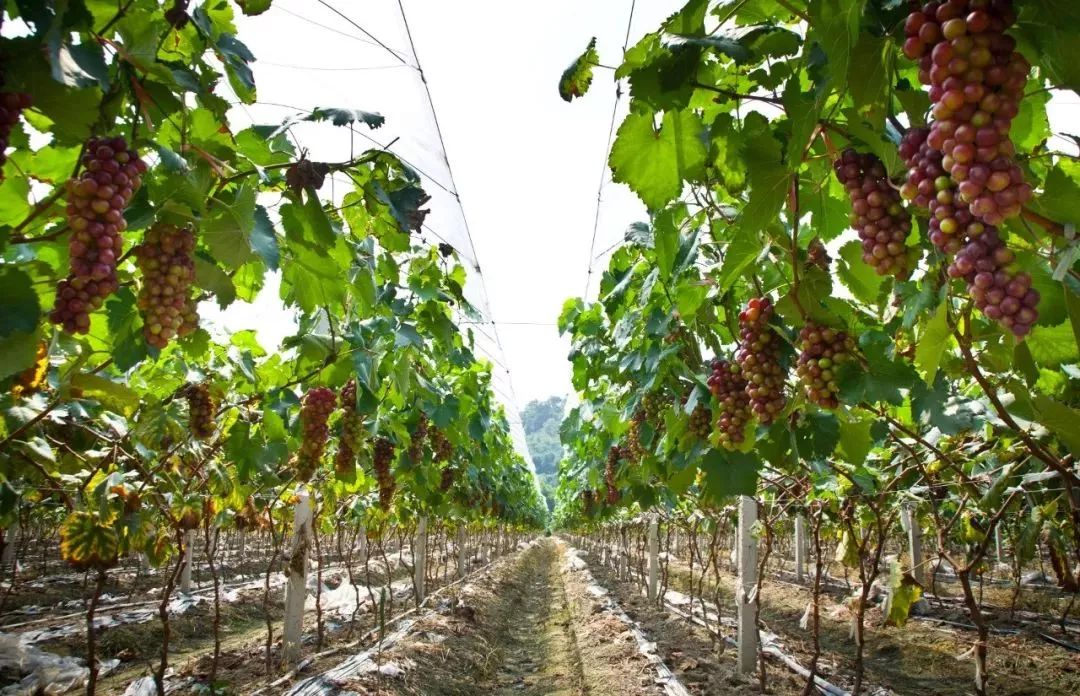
pixel 541 420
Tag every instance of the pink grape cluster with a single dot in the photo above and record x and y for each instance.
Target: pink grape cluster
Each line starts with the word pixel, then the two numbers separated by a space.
pixel 11 108
pixel 351 431
pixel 976 80
pixel 981 257
pixel 759 358
pixel 314 412
pixel 877 214
pixel 1000 293
pixel 821 350
pixel 95 214
pixel 168 272
pixel 728 385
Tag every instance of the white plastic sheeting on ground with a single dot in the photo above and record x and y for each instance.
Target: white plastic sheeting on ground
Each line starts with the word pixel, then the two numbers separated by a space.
pixel 665 677
pixel 43 672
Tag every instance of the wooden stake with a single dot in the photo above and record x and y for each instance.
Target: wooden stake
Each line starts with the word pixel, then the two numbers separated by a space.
pixel 654 558
pixel 420 558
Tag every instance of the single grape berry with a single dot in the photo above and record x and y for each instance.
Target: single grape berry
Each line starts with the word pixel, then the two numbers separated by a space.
pixel 728 385
pixel 168 271
pixel 381 461
pixel 351 432
pixel 821 350
pixel 315 411
pixel 759 358
pixel 877 213
pixel 201 410
pixel 95 214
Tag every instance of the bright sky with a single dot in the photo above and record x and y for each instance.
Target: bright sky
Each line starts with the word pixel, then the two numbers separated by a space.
pixel 526 165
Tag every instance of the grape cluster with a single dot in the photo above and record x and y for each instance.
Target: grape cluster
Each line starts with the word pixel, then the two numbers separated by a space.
pixel 976 79
pixel 980 256
pixel 610 467
pixel 305 173
pixel 11 108
pixel 419 435
pixel 441 448
pixel 930 187
pixel 821 350
pixel 1002 294
pixel 701 421
pixel 447 480
pixel 728 385
pixel 588 499
pixel 168 271
pixel 818 255
pixel 759 358
pixel 635 450
pixel 381 460
pixel 351 431
pixel 201 408
pixel 314 412
pixel 877 213
pixel 95 214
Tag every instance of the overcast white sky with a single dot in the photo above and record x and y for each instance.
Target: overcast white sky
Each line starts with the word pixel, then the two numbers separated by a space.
pixel 526 164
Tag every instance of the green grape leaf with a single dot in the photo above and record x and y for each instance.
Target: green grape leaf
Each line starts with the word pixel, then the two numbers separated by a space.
pixel 767 173
pixel 1060 199
pixel 577 78
pixel 228 230
pixel 729 474
pixel 835 25
pixel 1059 419
pixel 654 163
pixel 855 440
pixel 22 309
pixel 336 116
pixel 112 395
pixel 254 7
pixel 933 339
pixel 859 277
pixel 868 72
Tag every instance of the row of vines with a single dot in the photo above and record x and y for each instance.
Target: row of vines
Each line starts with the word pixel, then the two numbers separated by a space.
pixel 128 202
pixel 857 296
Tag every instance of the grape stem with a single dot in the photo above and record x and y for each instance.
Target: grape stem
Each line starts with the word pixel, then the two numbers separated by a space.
pixel 1042 221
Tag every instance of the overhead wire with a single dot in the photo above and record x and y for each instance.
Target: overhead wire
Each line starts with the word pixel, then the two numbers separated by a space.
pixel 607 150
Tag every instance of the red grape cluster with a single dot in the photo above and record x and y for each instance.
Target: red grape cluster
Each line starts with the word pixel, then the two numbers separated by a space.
pixel 305 173
pixel 314 412
pixel 728 385
pixel 447 480
pixel 95 212
pixel 351 431
pixel 588 499
pixel 11 108
pixel 381 460
pixel 1002 294
pixel 930 187
pixel 168 270
pixel 416 445
pixel 877 213
pixel 441 448
pixel 981 257
pixel 821 349
pixel 976 81
pixel 759 358
pixel 201 409
pixel 635 450
pixel 609 475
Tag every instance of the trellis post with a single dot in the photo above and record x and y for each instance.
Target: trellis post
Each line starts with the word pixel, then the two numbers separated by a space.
pixel 746 592
pixel 910 525
pixel 420 558
pixel 654 559
pixel 296 588
pixel 800 547
pixel 185 573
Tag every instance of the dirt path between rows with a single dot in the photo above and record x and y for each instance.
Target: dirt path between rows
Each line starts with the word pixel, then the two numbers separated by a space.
pixel 529 629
